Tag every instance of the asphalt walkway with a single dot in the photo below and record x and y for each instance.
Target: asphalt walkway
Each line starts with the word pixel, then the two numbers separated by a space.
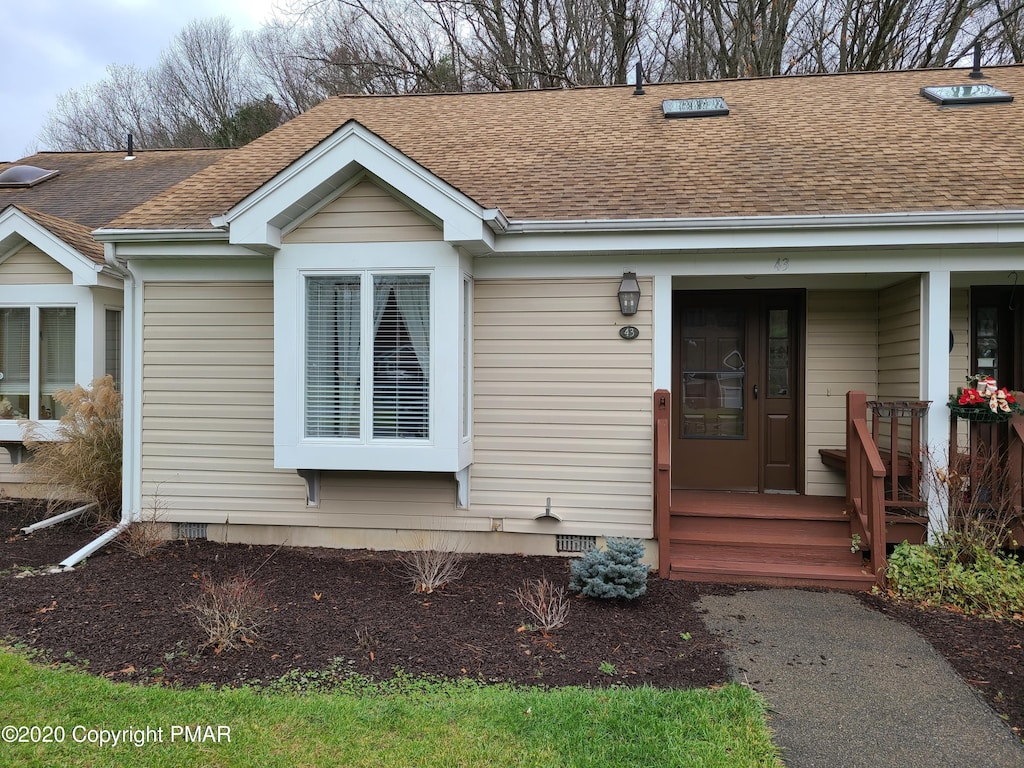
pixel 848 687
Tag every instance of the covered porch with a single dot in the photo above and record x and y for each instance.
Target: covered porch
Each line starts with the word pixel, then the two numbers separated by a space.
pixel 899 343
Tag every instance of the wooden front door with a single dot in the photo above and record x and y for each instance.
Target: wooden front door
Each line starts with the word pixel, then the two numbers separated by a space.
pixel 736 369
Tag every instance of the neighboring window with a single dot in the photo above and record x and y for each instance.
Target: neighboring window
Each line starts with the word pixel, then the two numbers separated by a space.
pixel 367 363
pixel 53 358
pixel 113 347
pixel 56 358
pixel 14 363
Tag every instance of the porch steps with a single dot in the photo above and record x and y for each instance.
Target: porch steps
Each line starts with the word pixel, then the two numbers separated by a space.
pixel 775 540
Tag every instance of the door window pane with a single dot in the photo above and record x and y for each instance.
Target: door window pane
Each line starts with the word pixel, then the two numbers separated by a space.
pixel 778 353
pixel 714 373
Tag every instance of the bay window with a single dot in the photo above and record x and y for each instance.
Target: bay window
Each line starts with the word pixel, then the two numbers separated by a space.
pixel 32 373
pixel 367 356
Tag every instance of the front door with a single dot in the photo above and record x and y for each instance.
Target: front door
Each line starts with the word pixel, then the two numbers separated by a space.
pixel 736 372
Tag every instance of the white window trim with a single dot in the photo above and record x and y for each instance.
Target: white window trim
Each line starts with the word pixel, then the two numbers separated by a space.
pixel 366 350
pixel 445 450
pixel 34 298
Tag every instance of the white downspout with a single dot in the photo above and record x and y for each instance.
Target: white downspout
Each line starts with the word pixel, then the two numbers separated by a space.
pixel 130 415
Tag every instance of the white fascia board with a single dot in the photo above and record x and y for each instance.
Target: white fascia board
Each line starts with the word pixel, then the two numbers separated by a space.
pixel 258 219
pixel 172 244
pixel 14 225
pixel 760 233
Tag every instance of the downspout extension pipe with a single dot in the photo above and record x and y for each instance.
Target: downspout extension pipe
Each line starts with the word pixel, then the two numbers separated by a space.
pixel 129 376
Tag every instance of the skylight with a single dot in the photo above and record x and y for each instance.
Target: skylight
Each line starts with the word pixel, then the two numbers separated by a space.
pixel 25 176
pixel 707 106
pixel 973 93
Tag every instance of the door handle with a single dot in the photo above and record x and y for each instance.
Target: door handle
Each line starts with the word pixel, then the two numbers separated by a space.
pixel 755 391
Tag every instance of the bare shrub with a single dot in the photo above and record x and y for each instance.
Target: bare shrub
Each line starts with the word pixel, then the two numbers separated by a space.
pixel 143 537
pixel 229 611
pixel 982 498
pixel 545 603
pixel 437 560
pixel 82 458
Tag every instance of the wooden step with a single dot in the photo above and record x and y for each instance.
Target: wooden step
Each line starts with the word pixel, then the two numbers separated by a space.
pixel 847 578
pixel 763 528
pixel 778 539
pixel 775 547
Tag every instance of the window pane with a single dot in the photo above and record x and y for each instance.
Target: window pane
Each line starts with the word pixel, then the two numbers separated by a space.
pixel 14 363
pixel 401 356
pixel 112 352
pixel 332 356
pixel 56 358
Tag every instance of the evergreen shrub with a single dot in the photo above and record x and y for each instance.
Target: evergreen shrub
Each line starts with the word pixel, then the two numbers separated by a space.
pixel 613 572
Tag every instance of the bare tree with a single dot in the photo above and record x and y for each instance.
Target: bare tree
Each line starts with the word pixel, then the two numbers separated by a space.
pixel 214 86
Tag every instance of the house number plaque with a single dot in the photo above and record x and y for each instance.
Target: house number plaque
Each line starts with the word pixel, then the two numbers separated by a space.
pixel 629 332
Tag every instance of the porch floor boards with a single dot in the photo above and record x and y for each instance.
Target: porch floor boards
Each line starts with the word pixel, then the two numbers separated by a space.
pixel 775 539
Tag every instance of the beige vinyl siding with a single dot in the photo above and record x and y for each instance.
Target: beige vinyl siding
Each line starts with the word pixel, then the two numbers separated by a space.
pixel 207 421
pixel 899 341
pixel 207 412
pixel 960 325
pixel 562 407
pixel 364 214
pixel 842 355
pixel 30 266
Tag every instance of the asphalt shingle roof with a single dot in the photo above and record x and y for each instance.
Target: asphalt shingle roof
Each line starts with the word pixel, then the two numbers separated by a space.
pixel 821 144
pixel 95 187
pixel 78 237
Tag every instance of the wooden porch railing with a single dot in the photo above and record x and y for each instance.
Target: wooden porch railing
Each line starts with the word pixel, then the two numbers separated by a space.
pixel 992 455
pixel 1015 461
pixel 865 481
pixel 662 478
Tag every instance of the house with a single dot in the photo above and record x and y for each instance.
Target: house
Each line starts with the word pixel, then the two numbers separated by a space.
pixel 61 303
pixel 398 315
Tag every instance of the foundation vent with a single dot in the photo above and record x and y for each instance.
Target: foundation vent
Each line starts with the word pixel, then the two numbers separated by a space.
pixel 567 543
pixel 191 530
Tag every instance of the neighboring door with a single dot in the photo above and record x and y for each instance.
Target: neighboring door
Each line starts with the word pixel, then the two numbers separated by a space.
pixel 997 322
pixel 736 371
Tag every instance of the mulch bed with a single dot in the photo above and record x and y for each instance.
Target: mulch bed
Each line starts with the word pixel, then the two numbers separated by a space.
pixel 122 614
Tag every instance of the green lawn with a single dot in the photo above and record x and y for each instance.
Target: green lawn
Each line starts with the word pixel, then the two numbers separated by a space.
pixel 410 724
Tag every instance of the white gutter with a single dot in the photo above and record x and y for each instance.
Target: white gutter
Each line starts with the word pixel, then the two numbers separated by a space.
pixel 931 218
pixel 57 518
pixel 154 235
pixel 129 414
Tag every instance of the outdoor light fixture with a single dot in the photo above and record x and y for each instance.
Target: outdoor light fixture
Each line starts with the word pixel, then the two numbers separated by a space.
pixel 629 294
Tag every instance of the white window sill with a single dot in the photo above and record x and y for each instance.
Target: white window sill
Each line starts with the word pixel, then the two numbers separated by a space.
pixel 380 458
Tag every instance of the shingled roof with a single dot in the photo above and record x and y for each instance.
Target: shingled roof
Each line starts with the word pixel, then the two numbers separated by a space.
pixel 78 237
pixel 93 188
pixel 820 144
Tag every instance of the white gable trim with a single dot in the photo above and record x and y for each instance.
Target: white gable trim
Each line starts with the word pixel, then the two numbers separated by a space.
pixel 16 229
pixel 258 220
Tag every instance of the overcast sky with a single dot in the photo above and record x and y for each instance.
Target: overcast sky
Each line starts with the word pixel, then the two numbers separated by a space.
pixel 52 46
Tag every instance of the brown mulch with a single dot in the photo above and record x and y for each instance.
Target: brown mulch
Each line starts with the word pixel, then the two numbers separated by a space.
pixel 122 614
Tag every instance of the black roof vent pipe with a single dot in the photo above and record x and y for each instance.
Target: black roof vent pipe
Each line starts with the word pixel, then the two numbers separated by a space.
pixel 976 73
pixel 639 90
pixel 131 148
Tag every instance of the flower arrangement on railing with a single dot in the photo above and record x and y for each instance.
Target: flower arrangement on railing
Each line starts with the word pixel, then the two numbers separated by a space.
pixel 984 400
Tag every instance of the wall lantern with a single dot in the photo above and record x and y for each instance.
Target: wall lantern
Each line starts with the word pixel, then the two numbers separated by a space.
pixel 629 294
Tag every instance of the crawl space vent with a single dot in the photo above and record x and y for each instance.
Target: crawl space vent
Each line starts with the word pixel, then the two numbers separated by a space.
pixel 567 543
pixel 192 530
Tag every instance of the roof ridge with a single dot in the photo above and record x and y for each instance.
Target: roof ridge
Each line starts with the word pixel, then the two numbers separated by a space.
pixel 709 81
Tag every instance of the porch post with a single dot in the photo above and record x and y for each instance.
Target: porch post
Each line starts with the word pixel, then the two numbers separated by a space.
pixel 935 309
pixel 662 332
